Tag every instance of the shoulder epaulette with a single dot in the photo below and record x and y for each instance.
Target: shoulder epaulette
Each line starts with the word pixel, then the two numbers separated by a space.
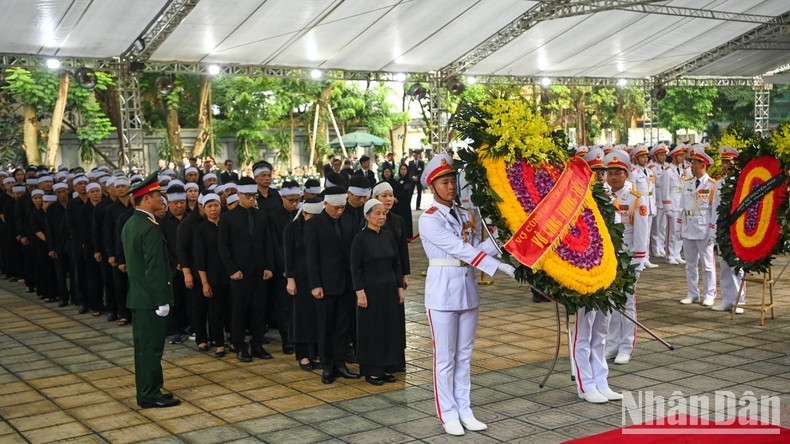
pixel 430 210
pixel 636 193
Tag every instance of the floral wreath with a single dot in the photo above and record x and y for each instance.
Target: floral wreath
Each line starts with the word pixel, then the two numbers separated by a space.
pixel 761 229
pixel 514 163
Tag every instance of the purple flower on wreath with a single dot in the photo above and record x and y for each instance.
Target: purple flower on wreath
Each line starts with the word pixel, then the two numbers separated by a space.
pixel 591 257
pixel 752 212
pixel 515 175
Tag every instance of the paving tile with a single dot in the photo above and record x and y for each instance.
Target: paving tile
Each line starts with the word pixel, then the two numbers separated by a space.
pixel 56 433
pixel 363 405
pixel 31 422
pixel 510 429
pixel 314 415
pixel 246 411
pixel 271 392
pixel 181 410
pixel 136 433
pixel 382 435
pixel 346 426
pixel 338 393
pixel 420 428
pixel 394 415
pixel 302 434
pixel 213 435
pixel 97 410
pixel 266 424
pixel 190 423
pixel 116 421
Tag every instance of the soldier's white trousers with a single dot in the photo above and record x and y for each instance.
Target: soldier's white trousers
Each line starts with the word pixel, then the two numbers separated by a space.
pixel 589 350
pixel 658 235
pixel 453 335
pixel 673 241
pixel 622 332
pixel 700 251
pixel 730 284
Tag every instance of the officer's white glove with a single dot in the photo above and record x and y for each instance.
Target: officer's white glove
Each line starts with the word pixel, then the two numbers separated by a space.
pixel 163 310
pixel 507 269
pixel 712 240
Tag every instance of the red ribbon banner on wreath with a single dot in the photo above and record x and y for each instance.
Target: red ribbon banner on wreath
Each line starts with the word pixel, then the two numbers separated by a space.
pixel 552 215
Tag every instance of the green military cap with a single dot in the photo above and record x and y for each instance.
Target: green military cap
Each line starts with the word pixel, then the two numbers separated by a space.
pixel 148 185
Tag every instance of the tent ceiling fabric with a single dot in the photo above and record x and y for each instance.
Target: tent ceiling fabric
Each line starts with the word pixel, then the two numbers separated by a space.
pixel 396 35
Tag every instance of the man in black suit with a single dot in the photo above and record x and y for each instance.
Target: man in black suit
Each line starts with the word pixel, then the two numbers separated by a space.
pixel 346 171
pixel 328 165
pixel 416 166
pixel 365 171
pixel 229 175
pixel 246 250
pixel 328 250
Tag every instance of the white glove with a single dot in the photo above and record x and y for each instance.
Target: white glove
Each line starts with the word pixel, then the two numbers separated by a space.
pixel 507 269
pixel 163 310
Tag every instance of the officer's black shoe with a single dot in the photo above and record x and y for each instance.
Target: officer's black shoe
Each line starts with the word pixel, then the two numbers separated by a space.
pixel 259 352
pixel 82 310
pixel 244 355
pixel 162 403
pixel 29 289
pixel 346 373
pixel 374 381
pixel 327 376
pixel 63 303
pixel 288 349
pixel 112 317
pixel 389 378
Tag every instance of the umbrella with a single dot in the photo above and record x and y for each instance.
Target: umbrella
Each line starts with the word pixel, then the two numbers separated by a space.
pixel 359 138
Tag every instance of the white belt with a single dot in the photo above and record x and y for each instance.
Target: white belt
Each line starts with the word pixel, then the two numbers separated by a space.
pixel 436 262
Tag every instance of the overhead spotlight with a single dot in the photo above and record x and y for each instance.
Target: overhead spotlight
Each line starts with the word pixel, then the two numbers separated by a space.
pixel 659 92
pixel 400 77
pixel 316 74
pixel 417 91
pixel 622 82
pixel 53 64
pixel 213 70
pixel 165 85
pixel 545 82
pixel 139 44
pixel 455 85
pixel 471 80
pixel 136 67
pixel 86 78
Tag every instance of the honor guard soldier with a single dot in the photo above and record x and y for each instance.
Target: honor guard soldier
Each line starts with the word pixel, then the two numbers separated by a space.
pixel 451 239
pixel 592 327
pixel 698 228
pixel 672 192
pixel 730 279
pixel 633 210
pixel 644 180
pixel 658 228
pixel 150 292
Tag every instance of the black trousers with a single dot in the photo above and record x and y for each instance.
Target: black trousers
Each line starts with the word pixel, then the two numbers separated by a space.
pixel 94 281
pixel 80 289
pixel 30 266
pixel 249 309
pixel 46 272
pixel 61 266
pixel 302 351
pixel 282 307
pixel 109 286
pixel 121 286
pixel 217 314
pixel 178 319
pixel 198 311
pixel 418 189
pixel 334 318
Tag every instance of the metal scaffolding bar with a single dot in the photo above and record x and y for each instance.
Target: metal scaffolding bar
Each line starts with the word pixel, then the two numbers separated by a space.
pixel 131 118
pixel 698 13
pixel 650 118
pixel 169 17
pixel 762 106
pixel 440 114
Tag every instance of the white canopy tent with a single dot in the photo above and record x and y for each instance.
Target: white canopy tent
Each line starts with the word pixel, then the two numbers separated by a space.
pixel 644 42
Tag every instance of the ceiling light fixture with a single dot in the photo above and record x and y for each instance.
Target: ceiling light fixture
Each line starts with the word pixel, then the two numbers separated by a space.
pixel 213 69
pixel 53 64
pixel 316 74
pixel 400 77
pixel 471 80
pixel 545 82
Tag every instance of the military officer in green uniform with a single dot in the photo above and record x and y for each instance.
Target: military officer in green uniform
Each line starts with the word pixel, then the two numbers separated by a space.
pixel 150 292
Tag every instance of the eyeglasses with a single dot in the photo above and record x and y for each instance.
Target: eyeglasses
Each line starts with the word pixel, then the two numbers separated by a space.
pixel 292 199
pixel 251 195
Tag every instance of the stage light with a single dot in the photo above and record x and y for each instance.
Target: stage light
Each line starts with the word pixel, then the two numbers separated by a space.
pixel 86 78
pixel 400 77
pixel 135 67
pixel 455 86
pixel 316 74
pixel 659 92
pixel 53 64
pixel 417 91
pixel 622 82
pixel 139 44
pixel 213 70
pixel 545 82
pixel 471 80
pixel 165 85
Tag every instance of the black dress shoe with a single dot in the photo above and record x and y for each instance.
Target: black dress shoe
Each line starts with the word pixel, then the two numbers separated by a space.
pixel 63 303
pixel 244 355
pixel 374 381
pixel 288 349
pixel 29 289
pixel 327 376
pixel 162 403
pixel 260 352
pixel 306 367
pixel 112 317
pixel 346 373
pixel 388 378
pixel 167 395
pixel 82 310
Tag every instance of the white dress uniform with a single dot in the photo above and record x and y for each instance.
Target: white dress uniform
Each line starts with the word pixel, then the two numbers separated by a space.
pixel 730 279
pixel 452 245
pixel 698 230
pixel 644 180
pixel 672 192
pixel 633 209
pixel 658 227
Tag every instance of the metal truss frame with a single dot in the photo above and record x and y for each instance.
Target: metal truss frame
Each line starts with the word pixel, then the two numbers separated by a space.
pixel 169 17
pixel 131 115
pixel 440 114
pixel 650 116
pixel 762 106
pixel 760 34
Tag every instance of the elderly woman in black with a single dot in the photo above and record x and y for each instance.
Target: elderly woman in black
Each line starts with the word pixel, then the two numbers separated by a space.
pixel 403 192
pixel 211 269
pixel 304 322
pixel 378 281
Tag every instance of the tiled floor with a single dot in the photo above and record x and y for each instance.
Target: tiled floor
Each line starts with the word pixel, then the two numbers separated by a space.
pixel 65 376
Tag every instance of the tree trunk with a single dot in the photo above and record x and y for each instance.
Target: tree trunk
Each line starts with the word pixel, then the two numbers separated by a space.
pixel 294 152
pixel 31 135
pixel 204 110
pixel 53 141
pixel 622 124
pixel 174 135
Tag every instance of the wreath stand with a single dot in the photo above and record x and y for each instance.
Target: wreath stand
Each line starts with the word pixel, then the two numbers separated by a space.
pixel 767 281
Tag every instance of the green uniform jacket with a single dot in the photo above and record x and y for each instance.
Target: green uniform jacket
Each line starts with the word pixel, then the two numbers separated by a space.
pixel 147 265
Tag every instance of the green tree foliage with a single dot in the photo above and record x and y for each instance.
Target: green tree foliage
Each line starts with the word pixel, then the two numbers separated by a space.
pixel 687 108
pixel 734 104
pixel 368 107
